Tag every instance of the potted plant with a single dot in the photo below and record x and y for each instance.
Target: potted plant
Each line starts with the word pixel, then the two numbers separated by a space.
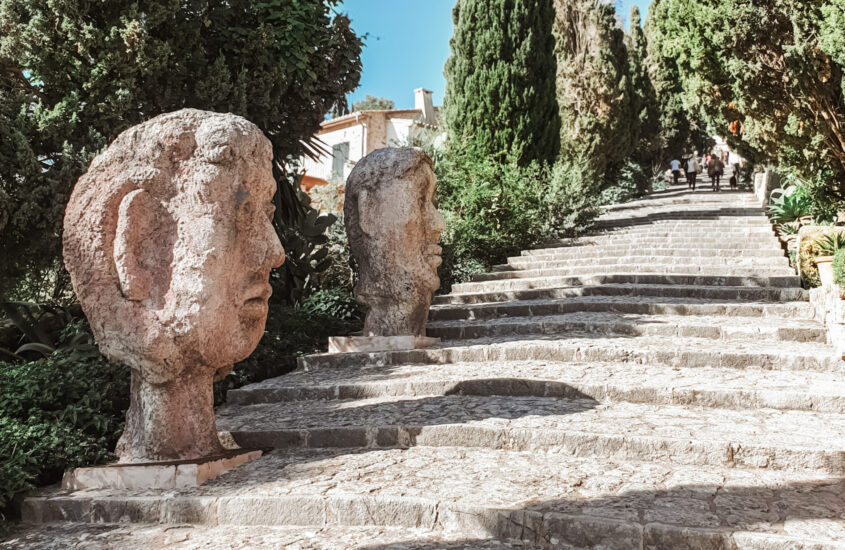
pixel 827 246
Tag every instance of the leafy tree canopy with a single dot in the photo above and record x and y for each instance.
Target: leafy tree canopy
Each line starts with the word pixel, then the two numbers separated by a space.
pixel 74 74
pixel 373 103
pixel 767 74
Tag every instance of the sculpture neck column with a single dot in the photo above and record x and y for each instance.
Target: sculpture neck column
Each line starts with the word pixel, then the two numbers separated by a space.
pixel 171 421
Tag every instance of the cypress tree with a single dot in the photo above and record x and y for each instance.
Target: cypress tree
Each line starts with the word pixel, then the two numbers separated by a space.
pixel 644 100
pixel 500 92
pixel 594 88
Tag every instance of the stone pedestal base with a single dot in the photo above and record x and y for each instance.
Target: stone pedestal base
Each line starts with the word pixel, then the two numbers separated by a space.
pixel 177 474
pixel 364 344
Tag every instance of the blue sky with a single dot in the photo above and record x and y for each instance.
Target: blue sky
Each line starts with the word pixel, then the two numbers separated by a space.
pixel 408 45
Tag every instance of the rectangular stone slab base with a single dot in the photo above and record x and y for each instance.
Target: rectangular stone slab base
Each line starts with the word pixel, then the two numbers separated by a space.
pixel 364 344
pixel 176 474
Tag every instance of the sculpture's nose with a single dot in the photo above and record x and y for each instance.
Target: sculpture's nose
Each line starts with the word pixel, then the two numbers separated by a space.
pixel 266 250
pixel 436 221
pixel 275 252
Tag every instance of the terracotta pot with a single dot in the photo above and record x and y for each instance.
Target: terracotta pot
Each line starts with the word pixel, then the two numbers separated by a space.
pixel 825 265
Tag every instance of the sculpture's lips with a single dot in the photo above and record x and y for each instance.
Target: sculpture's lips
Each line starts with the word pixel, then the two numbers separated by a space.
pixel 433 250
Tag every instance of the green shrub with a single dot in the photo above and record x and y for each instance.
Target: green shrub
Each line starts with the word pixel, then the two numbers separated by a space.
pixel 494 210
pixel 830 243
pixel 334 303
pixel 788 205
pixel 625 183
pixel 56 413
pixel 839 267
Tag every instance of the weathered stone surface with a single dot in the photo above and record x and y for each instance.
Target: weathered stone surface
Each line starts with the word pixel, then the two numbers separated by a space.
pixel 394 227
pixel 169 245
pixel 161 475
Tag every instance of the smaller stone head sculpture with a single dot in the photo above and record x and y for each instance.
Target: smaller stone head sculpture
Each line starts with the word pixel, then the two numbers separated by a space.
pixel 169 243
pixel 394 228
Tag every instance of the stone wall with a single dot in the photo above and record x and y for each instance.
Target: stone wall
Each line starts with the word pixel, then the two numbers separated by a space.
pixel 830 309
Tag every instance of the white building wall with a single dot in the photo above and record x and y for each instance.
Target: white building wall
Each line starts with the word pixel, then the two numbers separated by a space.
pixel 398 130
pixel 354 135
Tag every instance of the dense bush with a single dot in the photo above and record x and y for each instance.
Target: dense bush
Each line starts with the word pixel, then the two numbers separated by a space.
pixel 494 210
pixel 60 412
pixel 839 267
pixel 627 182
pixel 333 303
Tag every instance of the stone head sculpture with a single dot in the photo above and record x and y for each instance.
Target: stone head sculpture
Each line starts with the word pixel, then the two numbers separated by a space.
pixel 393 227
pixel 169 244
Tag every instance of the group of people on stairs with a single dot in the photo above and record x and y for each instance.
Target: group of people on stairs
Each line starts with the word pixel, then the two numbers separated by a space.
pixel 693 166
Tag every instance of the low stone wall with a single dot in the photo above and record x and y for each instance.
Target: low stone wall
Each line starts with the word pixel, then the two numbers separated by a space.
pixel 764 184
pixel 830 309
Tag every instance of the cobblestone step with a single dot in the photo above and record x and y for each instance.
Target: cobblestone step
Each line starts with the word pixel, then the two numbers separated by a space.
pixel 658 242
pixel 760 438
pixel 542 498
pixel 641 305
pixel 670 326
pixel 185 536
pixel 626 266
pixel 702 279
pixel 530 263
pixel 747 293
pixel 605 382
pixel 583 348
pixel 587 252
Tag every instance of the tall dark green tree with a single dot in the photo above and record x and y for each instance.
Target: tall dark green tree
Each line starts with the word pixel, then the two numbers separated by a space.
pixel 681 132
pixel 500 91
pixel 75 73
pixel 644 101
pixel 594 86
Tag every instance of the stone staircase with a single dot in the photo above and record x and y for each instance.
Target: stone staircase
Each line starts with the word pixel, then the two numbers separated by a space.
pixel 662 384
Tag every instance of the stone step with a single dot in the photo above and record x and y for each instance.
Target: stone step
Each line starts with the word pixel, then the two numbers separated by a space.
pixel 725 329
pixel 549 499
pixel 642 305
pixel 184 536
pixel 711 292
pixel 678 352
pixel 704 279
pixel 703 436
pixel 530 263
pixel 726 388
pixel 626 266
pixel 596 251
pixel 657 242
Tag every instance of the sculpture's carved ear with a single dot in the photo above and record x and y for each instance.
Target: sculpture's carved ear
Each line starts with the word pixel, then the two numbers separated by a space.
pixel 138 216
pixel 365 212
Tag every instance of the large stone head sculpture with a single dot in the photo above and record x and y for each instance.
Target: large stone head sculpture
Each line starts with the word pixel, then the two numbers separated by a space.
pixel 393 227
pixel 169 243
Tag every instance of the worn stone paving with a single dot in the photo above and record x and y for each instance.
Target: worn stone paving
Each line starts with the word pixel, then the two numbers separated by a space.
pixel 662 384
